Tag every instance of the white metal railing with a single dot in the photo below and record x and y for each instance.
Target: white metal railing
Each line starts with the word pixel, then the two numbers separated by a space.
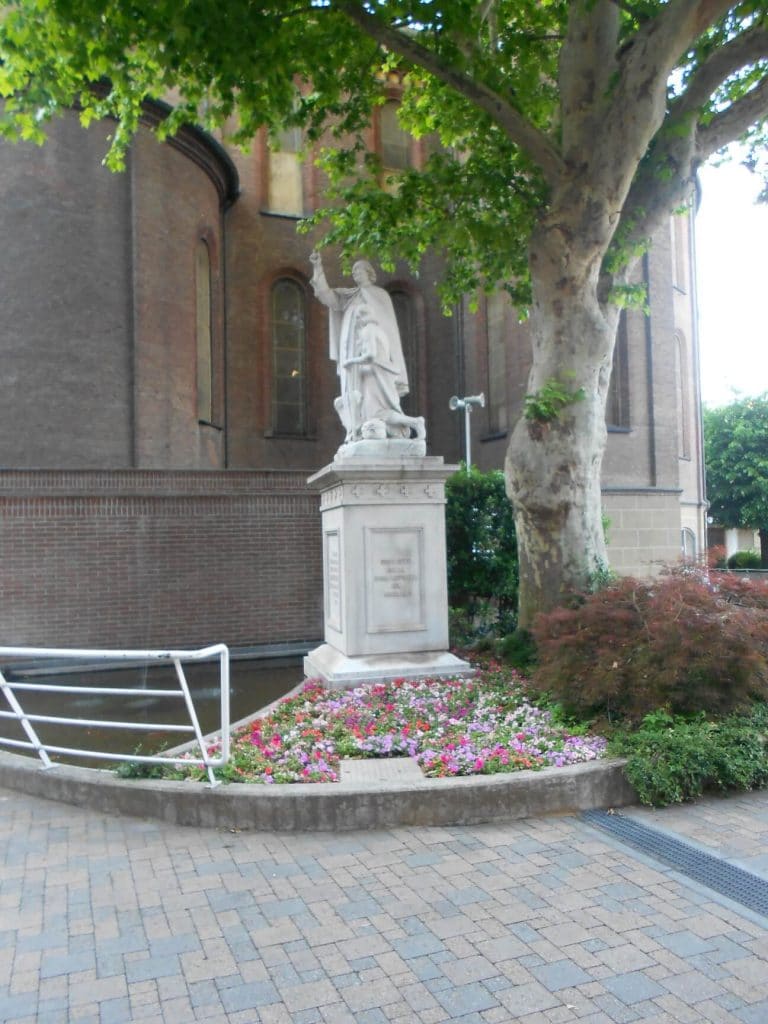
pixel 10 689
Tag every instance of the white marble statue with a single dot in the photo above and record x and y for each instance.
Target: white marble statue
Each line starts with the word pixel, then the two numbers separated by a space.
pixel 365 344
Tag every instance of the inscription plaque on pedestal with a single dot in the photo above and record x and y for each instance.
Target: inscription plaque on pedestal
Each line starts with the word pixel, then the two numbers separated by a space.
pixel 394 567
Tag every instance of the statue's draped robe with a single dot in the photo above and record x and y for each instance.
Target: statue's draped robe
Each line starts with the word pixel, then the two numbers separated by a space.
pixel 367 391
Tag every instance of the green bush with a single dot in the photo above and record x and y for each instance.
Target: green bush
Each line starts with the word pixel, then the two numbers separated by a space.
pixel 518 649
pixel 672 759
pixel 482 554
pixel 675 642
pixel 744 560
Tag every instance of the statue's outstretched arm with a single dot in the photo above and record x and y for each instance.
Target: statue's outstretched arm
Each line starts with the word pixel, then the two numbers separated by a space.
pixel 320 287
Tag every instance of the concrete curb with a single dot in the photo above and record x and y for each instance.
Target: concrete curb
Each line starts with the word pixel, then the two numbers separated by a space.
pixel 329 807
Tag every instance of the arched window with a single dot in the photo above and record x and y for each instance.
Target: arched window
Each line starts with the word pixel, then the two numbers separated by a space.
pixel 406 322
pixel 496 333
pixel 617 404
pixel 681 399
pixel 289 357
pixel 204 332
pixel 286 191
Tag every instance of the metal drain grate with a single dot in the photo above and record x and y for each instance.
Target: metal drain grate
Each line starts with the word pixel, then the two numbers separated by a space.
pixel 739 885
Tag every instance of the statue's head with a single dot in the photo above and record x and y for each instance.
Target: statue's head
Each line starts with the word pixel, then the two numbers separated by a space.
pixel 363 272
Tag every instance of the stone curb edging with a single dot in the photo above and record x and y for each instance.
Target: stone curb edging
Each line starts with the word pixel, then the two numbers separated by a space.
pixel 328 806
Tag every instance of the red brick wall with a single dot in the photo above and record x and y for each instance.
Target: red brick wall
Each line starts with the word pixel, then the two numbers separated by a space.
pixel 156 559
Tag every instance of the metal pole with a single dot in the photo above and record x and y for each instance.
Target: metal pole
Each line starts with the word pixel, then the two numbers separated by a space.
pixel 467 434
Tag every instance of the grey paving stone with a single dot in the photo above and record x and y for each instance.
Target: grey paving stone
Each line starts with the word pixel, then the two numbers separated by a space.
pixel 469 894
pixel 151 968
pixel 685 943
pixel 68 963
pixel 559 975
pixel 757 1013
pixel 616 1011
pixel 18 1006
pixel 249 997
pixel 631 988
pixel 114 1011
pixel 692 988
pixel 425 968
pixel 418 945
pixel 531 997
pixel 310 1016
pixel 463 999
pixel 373 1016
pixel 525 933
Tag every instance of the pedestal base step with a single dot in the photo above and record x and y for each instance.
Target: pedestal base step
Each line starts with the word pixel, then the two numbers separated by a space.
pixel 339 671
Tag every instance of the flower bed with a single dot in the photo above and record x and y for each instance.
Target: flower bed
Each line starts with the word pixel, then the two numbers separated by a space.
pixel 483 725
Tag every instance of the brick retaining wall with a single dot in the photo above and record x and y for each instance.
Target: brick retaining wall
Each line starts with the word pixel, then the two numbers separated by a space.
pixel 155 559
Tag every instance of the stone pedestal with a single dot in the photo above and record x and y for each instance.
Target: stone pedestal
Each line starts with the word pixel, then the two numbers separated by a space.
pixel 384 568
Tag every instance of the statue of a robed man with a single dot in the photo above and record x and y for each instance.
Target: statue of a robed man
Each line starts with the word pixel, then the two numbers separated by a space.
pixel 365 344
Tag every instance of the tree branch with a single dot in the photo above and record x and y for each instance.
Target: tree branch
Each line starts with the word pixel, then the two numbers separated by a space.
pixel 515 126
pixel 619 143
pixel 676 28
pixel 746 48
pixel 731 123
pixel 587 64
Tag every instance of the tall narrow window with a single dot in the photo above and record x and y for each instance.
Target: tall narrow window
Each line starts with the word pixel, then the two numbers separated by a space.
pixel 289 356
pixel 681 398
pixel 286 193
pixel 395 142
pixel 498 411
pixel 617 405
pixel 406 323
pixel 204 332
pixel 680 251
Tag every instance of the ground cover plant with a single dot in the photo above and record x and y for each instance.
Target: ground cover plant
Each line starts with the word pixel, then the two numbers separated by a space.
pixel 670 759
pixel 477 726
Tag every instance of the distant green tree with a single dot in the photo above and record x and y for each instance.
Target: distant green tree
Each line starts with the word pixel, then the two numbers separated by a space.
pixel 482 547
pixel 736 457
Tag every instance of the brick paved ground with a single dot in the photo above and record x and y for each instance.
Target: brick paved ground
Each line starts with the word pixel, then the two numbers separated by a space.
pixel 544 921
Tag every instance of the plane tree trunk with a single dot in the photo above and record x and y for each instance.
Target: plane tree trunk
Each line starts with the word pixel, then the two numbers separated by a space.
pixel 555 453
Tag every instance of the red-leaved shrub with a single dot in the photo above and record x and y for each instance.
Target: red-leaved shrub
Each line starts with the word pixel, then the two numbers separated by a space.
pixel 679 641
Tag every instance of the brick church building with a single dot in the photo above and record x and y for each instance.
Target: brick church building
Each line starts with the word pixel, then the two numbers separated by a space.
pixel 167 390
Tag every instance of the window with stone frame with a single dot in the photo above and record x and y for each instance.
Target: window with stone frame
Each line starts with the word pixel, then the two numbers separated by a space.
pixel 289 358
pixel 617 410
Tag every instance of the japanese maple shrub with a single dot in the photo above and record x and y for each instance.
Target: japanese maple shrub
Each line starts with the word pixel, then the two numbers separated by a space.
pixel 678 642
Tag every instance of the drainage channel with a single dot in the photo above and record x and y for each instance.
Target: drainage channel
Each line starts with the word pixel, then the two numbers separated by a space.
pixel 735 883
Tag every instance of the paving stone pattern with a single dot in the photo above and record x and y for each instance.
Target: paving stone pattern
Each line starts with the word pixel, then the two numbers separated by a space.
pixel 106 920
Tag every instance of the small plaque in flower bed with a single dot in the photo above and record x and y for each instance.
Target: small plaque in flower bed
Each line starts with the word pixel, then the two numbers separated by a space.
pixel 479 726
